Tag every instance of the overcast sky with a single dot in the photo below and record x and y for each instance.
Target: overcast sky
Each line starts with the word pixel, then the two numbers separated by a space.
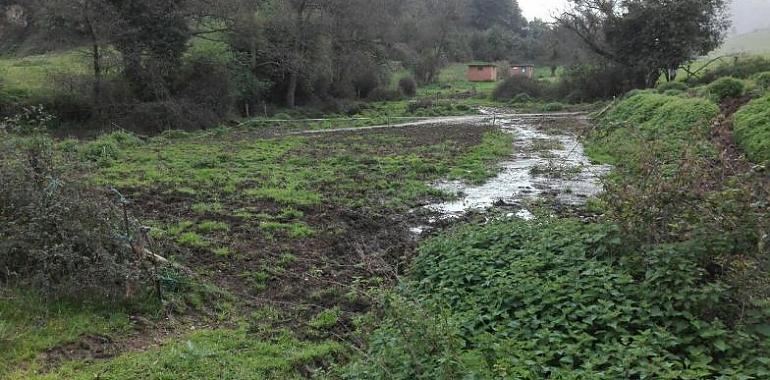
pixel 748 14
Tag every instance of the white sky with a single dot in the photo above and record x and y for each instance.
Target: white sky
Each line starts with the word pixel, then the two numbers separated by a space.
pixel 542 9
pixel 747 14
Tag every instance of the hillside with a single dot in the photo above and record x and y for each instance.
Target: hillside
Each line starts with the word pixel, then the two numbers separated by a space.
pixel 756 42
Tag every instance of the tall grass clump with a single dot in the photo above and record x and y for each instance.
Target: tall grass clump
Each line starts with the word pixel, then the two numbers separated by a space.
pixel 752 129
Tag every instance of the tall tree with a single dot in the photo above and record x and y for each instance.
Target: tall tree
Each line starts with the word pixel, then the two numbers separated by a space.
pixel 648 37
pixel 151 36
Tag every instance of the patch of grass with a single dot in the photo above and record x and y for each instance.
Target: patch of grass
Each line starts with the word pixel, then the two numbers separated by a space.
pixel 645 121
pixel 752 129
pixel 326 319
pixel 287 196
pixel 479 164
pixel 29 325
pixel 203 208
pixel 209 226
pixel 209 354
pixel 192 240
pixel 294 230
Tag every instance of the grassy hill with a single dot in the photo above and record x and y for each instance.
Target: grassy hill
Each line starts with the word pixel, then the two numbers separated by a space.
pixel 757 42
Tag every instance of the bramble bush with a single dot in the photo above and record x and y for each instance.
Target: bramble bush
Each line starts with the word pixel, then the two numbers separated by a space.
pixel 59 236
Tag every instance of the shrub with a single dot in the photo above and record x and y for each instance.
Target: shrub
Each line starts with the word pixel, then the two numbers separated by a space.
pixel 381 94
pixel 521 98
pixel 724 88
pixel 408 86
pixel 514 86
pixel 763 80
pixel 58 236
pixel 752 129
pixel 592 82
pixel 553 107
pixel 414 106
pixel 678 86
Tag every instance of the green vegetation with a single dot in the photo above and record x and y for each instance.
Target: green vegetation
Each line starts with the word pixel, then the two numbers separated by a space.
pixel 648 123
pixel 220 354
pixel 762 80
pixel 752 129
pixel 727 87
pixel 30 324
pixel 557 299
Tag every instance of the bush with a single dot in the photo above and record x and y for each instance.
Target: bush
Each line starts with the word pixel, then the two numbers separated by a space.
pixel 553 107
pixel 382 94
pixel 521 98
pixel 414 106
pixel 752 129
pixel 763 80
pixel 724 88
pixel 586 83
pixel 514 86
pixel 408 86
pixel 58 236
pixel 678 86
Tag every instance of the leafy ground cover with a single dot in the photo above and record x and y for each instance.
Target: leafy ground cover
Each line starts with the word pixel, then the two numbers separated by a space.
pixel 556 299
pixel 752 129
pixel 672 284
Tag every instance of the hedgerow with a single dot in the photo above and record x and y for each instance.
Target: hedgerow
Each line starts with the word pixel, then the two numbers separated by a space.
pixel 559 299
pixel 752 129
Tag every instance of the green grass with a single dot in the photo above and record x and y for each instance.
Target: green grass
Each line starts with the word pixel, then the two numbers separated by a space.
pixel 752 129
pixel 756 42
pixel 209 354
pixel 646 122
pixel 478 165
pixel 29 325
pixel 33 74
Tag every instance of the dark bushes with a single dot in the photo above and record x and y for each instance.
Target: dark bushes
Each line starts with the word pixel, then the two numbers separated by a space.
pixel 578 84
pixel 515 86
pixel 407 86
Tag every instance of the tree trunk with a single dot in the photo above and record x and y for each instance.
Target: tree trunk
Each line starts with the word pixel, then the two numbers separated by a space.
pixel 291 91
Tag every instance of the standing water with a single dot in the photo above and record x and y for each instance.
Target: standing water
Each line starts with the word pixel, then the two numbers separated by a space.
pixel 543 164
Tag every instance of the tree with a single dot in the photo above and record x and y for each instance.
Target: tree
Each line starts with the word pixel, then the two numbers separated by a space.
pixel 151 36
pixel 91 21
pixel 648 37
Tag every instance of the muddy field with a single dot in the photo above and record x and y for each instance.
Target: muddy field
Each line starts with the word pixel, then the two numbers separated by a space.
pixel 302 225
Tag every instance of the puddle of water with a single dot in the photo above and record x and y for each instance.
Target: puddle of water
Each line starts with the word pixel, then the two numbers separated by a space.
pixel 563 171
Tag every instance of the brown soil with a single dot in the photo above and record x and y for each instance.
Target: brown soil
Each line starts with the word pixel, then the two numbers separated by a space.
pixel 353 251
